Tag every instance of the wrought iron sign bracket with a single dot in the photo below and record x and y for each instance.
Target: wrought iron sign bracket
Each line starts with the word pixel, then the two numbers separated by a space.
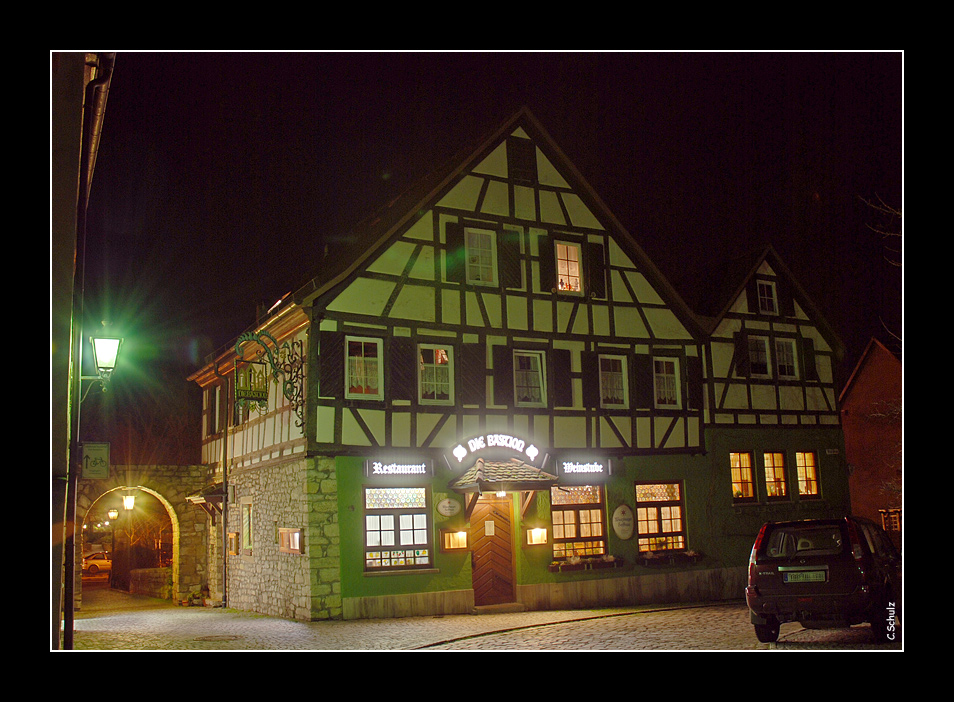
pixel 287 365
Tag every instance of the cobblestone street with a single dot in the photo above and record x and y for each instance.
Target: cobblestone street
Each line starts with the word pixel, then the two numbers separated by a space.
pixel 116 621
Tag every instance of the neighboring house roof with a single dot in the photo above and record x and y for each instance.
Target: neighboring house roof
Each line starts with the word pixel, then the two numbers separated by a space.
pixel 375 232
pixel 712 292
pixel 873 348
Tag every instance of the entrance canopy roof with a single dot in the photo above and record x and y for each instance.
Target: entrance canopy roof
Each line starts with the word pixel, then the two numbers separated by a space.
pixel 494 476
pixel 209 498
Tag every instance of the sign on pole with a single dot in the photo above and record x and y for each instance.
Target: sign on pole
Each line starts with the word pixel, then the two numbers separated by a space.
pixel 95 461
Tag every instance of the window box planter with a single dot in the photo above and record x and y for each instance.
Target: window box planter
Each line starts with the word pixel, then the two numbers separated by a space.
pixel 566 567
pixel 585 564
pixel 658 560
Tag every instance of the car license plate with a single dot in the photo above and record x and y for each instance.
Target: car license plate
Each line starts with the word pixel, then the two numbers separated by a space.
pixel 805 576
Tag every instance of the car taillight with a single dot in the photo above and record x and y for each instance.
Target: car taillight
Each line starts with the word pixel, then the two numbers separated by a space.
pixel 757 545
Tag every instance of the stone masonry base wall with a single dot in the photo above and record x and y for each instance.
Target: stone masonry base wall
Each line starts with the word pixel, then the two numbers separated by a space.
pixel 657 588
pixel 299 494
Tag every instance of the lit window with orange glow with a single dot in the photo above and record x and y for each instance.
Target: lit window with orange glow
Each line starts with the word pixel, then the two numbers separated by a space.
pixel 775 476
pixel 569 268
pixel 807 474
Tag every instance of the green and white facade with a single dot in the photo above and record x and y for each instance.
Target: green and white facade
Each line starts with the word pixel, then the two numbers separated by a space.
pixel 497 400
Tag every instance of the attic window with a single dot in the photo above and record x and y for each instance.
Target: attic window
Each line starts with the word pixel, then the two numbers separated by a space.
pixel 768 303
pixel 522 161
pixel 481 250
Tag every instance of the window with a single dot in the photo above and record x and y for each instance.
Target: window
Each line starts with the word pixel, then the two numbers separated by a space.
pixel 767 300
pixel 289 540
pixel 613 383
pixel 569 269
pixel 775 475
pixel 578 514
pixel 522 160
pixel 743 483
pixel 247 524
pixel 214 415
pixel 807 474
pixel 529 382
pixel 666 382
pixel 396 529
pixel 758 356
pixel 436 379
pixel 890 519
pixel 481 252
pixel 364 369
pixel 659 516
pixel 785 359
pixel 453 540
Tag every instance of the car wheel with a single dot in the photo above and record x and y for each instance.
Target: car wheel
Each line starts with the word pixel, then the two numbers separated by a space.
pixel 768 632
pixel 93 570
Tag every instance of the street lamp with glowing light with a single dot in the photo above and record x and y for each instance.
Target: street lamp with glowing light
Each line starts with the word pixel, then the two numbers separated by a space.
pixel 105 355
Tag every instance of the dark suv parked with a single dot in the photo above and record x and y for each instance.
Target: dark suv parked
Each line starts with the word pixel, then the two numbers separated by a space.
pixel 824 573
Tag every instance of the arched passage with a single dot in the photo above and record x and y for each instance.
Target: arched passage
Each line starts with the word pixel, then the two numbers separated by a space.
pixel 149 526
pixel 170 485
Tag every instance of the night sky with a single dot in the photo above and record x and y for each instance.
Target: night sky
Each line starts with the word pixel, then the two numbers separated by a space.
pixel 220 177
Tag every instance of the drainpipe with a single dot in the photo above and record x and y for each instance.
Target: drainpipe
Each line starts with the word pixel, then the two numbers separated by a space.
pixel 225 481
pixel 94 103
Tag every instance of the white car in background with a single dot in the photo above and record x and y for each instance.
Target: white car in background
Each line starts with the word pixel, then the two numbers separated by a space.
pixel 99 561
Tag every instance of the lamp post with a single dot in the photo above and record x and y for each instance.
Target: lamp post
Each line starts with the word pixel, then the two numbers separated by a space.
pixel 105 356
pixel 113 515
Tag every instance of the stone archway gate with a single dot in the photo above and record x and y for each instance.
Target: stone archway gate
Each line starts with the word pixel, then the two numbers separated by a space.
pixel 171 485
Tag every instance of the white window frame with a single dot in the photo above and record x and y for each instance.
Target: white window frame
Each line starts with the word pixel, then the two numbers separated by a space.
pixel 426 373
pixel 568 269
pixel 483 257
pixel 666 383
pixel 379 374
pixel 786 369
pixel 767 296
pixel 616 378
pixel 763 342
pixel 540 360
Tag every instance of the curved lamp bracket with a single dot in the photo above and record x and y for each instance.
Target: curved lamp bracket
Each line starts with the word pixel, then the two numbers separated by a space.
pixel 286 364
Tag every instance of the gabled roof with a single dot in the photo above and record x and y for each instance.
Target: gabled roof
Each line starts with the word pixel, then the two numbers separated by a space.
pixel 372 234
pixel 873 348
pixel 713 292
pixel 490 476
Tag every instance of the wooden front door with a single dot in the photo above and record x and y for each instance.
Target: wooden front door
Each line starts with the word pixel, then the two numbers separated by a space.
pixel 492 551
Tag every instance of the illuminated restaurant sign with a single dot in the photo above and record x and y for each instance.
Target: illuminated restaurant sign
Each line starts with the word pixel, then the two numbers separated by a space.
pixel 583 469
pixel 495 443
pixel 404 468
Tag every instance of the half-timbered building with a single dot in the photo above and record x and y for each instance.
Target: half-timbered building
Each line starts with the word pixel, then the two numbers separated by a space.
pixel 496 399
pixel 773 431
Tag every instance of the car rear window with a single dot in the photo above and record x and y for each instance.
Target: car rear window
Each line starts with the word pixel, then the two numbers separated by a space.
pixel 803 540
